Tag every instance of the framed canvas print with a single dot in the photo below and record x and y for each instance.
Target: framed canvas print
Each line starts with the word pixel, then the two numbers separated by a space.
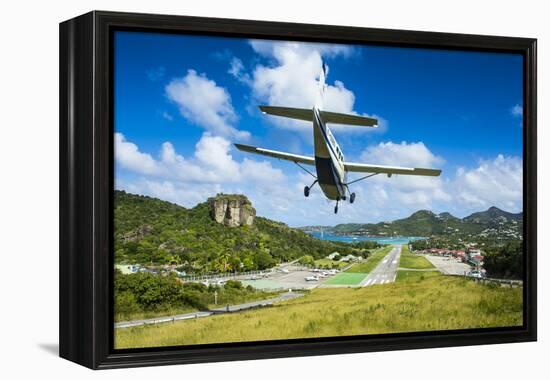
pixel 238 189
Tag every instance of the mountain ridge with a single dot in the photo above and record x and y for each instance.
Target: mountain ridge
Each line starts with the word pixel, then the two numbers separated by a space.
pixel 427 223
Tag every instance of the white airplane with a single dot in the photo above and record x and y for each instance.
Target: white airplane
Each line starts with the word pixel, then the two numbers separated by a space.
pixel 311 278
pixel 328 157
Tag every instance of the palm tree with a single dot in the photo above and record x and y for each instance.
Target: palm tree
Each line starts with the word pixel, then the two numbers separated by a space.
pixel 222 261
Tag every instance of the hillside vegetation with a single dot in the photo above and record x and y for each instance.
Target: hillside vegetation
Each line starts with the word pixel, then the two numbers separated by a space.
pixel 144 295
pixel 421 304
pixel 154 232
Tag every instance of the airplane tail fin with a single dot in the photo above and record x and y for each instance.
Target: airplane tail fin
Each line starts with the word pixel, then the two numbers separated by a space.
pixel 328 117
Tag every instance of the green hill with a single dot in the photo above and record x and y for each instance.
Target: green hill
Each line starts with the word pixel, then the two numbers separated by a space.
pixel 154 232
pixel 426 223
pixel 492 215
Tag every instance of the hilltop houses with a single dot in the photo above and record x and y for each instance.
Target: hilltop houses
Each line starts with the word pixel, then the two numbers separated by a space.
pixel 471 255
pixel 474 256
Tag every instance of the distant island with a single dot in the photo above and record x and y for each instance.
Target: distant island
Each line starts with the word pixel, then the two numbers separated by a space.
pixel 492 223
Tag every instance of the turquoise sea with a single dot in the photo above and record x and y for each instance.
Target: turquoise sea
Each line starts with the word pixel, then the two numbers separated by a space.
pixel 352 238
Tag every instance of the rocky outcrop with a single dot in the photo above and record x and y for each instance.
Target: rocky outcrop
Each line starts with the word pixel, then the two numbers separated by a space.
pixel 137 234
pixel 231 210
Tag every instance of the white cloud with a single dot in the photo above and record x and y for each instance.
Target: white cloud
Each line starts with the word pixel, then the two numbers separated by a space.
pixel 210 167
pixel 128 156
pixel 517 110
pixel 185 194
pixel 279 49
pixel 410 192
pixel 291 80
pixel 236 69
pixel 213 154
pixel 497 182
pixel 402 154
pixel 261 172
pixel 204 103
pixel 494 182
pixel 212 161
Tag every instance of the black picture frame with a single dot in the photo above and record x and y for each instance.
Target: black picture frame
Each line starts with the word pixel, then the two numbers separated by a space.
pixel 86 187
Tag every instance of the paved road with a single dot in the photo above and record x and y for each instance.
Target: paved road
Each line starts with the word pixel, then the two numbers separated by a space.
pixel 386 271
pixel 202 314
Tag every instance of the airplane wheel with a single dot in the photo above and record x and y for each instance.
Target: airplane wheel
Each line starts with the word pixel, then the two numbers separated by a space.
pixel 336 209
pixel 352 198
pixel 306 191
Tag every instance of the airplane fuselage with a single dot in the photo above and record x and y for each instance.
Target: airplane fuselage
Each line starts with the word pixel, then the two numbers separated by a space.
pixel 329 160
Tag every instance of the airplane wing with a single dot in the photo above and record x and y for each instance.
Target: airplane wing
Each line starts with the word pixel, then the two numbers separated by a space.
pixel 366 168
pixel 276 154
pixel 342 118
pixel 293 113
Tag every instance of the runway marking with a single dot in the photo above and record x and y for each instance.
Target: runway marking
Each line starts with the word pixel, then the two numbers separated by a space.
pixel 394 262
pixel 368 282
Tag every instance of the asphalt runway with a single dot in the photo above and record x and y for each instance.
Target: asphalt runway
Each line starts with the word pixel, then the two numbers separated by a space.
pixel 386 271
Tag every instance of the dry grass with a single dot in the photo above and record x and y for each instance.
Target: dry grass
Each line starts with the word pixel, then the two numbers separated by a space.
pixel 438 303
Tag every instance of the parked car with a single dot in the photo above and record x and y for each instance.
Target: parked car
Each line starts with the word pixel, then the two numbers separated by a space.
pixel 476 274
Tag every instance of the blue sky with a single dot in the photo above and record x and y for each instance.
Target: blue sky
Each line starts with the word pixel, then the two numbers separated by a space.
pixel 181 101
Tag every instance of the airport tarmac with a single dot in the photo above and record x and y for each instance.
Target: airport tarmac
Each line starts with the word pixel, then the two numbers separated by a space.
pixel 280 280
pixel 449 265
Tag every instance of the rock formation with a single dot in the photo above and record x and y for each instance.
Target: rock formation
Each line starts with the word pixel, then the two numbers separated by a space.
pixel 231 210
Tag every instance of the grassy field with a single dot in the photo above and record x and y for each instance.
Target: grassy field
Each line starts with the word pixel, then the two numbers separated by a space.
pixel 345 278
pixel 323 263
pixel 411 275
pixel 369 264
pixel 437 303
pixel 411 261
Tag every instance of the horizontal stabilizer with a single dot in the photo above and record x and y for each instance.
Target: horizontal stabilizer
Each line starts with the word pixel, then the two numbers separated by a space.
pixel 342 118
pixel 328 117
pixel 276 154
pixel 383 169
pixel 293 113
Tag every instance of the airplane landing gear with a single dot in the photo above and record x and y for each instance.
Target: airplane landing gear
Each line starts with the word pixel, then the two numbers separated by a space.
pixel 336 208
pixel 352 198
pixel 308 188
